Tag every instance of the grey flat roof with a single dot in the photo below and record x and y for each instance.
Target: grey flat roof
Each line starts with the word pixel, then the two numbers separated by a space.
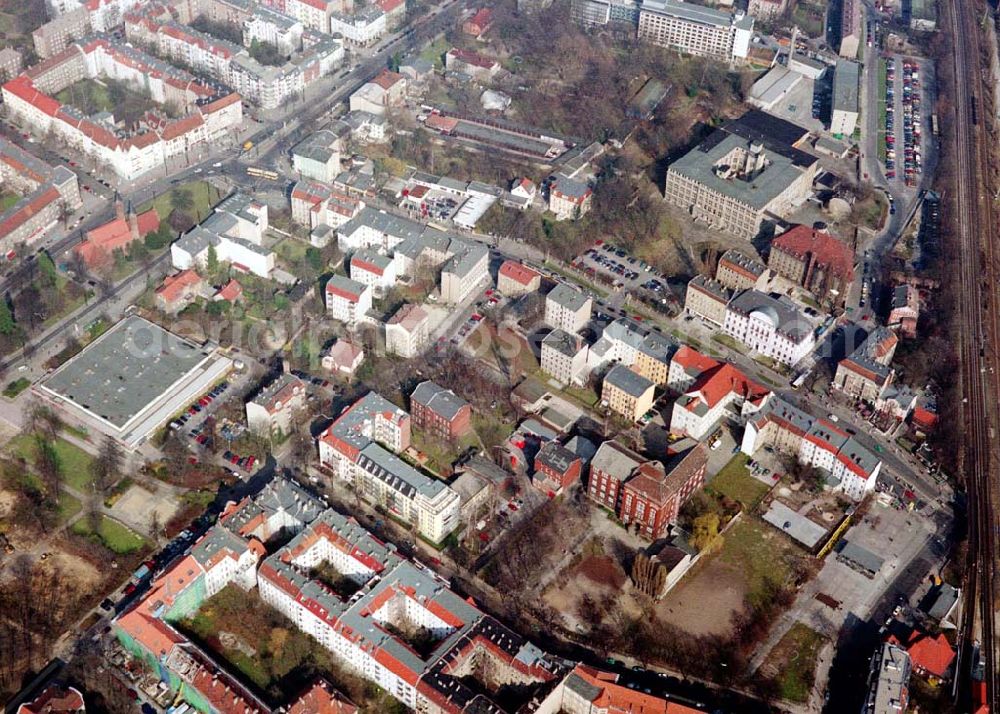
pixel 567 296
pixel 798 527
pixel 783 314
pixel 563 342
pixel 699 165
pixel 846 79
pixel 861 557
pixel 125 370
pixel 628 381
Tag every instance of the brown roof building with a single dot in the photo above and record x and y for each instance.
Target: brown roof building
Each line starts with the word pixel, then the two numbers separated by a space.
pixel 819 262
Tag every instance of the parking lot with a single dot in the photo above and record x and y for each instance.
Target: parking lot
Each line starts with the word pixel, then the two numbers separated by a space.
pixel 613 266
pixel 904 120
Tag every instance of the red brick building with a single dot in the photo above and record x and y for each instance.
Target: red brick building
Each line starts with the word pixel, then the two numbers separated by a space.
pixel 612 466
pixel 816 260
pixel 653 497
pixel 440 411
pixel 556 468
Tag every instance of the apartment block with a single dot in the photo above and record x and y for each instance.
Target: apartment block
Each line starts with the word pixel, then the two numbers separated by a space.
pixel 564 356
pixel 865 374
pixel 271 410
pixel 626 342
pixel 406 332
pixel 696 29
pixel 348 300
pixel 567 308
pixel 707 299
pixel 737 272
pixel 440 412
pixel 515 279
pixel 627 393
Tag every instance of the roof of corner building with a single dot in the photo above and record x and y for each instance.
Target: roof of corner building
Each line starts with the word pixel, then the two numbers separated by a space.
pixel 279 495
pixel 718 382
pixel 827 435
pixel 439 400
pixel 354 425
pixel 555 456
pixel 217 543
pixel 828 251
pixel 322 698
pixel 615 460
pixel 693 362
pixel 387 79
pixel 605 694
pixel 780 311
pixel 868 358
pixel 320 146
pixel 568 297
pixel 934 654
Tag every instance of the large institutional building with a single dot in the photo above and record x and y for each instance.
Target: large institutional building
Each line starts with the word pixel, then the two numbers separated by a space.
pixel 696 29
pixel 743 174
pixel 131 380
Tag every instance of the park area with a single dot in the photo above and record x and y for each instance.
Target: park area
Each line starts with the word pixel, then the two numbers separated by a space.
pixel 113 535
pixel 735 482
pixel 74 462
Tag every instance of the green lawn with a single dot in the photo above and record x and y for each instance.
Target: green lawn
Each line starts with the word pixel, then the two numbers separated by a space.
pixel 75 461
pixel 762 555
pixel 16 387
pixel 115 536
pixel 69 506
pixel 794 658
pixel 434 52
pixel 292 250
pixel 7 200
pixel 735 482
pixel 203 196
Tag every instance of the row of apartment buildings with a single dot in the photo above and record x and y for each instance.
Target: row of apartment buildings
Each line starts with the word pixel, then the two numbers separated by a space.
pixel 48 194
pixel 315 55
pixel 212 110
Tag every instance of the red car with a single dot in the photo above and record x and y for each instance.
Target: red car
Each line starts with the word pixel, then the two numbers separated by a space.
pixel 250 463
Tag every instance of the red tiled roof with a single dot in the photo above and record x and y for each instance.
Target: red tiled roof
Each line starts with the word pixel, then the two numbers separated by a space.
pixel 54 700
pixel 613 697
pixel 230 292
pixel 693 361
pixel 387 79
pixel 174 285
pixel 322 698
pixel 924 418
pixel 388 6
pixel 934 655
pixel 835 255
pixel 718 383
pixel 29 211
pixel 518 272
pixel 473 58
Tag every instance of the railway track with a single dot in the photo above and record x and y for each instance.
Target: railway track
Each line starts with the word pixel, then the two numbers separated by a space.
pixel 977 281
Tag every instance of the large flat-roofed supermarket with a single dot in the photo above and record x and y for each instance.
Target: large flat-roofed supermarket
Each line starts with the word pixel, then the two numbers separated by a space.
pixel 132 379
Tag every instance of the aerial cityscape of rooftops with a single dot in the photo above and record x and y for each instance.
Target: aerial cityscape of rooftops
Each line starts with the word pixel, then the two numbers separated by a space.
pixel 498 356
